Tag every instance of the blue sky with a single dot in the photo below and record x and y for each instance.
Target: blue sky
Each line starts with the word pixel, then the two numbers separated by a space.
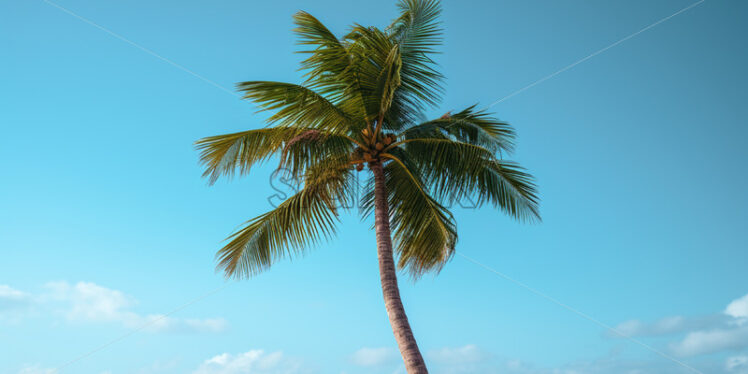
pixel 105 223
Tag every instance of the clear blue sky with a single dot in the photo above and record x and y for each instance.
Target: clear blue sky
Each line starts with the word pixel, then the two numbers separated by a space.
pixel 639 153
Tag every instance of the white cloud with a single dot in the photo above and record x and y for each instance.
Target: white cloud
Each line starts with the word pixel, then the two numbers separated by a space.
pixel 727 337
pixel 35 369
pixel 374 356
pixel 670 325
pixel 738 309
pixel 607 365
pixel 86 302
pixel 737 364
pixel 667 325
pixel 719 332
pixel 89 302
pixel 711 341
pixel 447 360
pixel 7 292
pixel 161 323
pixel 11 298
pixel 460 355
pixel 252 362
pixel 467 359
pixel 159 367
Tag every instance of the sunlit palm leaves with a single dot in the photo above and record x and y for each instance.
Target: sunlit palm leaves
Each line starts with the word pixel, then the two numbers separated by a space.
pixel 297 106
pixel 424 229
pixel 359 103
pixel 225 154
pixel 305 218
pixel 468 125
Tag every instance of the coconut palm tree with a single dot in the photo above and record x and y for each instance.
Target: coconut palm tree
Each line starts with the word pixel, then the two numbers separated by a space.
pixel 359 108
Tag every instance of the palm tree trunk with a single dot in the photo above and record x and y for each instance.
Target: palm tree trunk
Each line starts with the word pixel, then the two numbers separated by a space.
pixel 414 363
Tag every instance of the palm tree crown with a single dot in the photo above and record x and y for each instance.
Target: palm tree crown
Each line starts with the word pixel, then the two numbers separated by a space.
pixel 360 107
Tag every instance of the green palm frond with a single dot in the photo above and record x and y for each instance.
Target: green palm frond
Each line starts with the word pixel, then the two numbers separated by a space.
pixel 457 170
pixel 424 230
pixel 470 126
pixel 447 163
pixel 296 106
pixel 388 82
pixel 418 31
pixel 328 54
pixel 306 218
pixel 418 27
pixel 223 155
pixel 374 59
pixel 509 187
pixel 340 69
pixel 327 68
pixel 313 147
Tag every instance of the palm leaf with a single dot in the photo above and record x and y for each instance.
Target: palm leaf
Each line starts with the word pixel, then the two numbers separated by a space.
pixel 313 147
pixel 418 32
pixel 223 155
pixel 296 106
pixel 302 220
pixel 509 187
pixel 388 82
pixel 424 230
pixel 469 126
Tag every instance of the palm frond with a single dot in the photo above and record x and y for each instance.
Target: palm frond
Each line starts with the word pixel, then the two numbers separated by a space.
pixel 388 82
pixel 313 147
pixel 447 164
pixel 296 106
pixel 223 155
pixel 304 219
pixel 374 60
pixel 469 126
pixel 456 170
pixel 509 187
pixel 328 56
pixel 418 31
pixel 424 230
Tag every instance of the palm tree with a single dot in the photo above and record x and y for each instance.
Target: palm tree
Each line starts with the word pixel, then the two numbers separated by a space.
pixel 359 107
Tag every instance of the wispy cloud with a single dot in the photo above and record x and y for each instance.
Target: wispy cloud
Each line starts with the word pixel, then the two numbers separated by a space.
pixel 11 298
pixel 604 365
pixel 666 326
pixel 35 369
pixel 458 355
pixel 255 362
pixel 471 359
pixel 712 341
pixel 38 369
pixel 86 302
pixel 446 360
pixel 738 309
pixel 719 332
pixel 375 356
pixel 737 364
